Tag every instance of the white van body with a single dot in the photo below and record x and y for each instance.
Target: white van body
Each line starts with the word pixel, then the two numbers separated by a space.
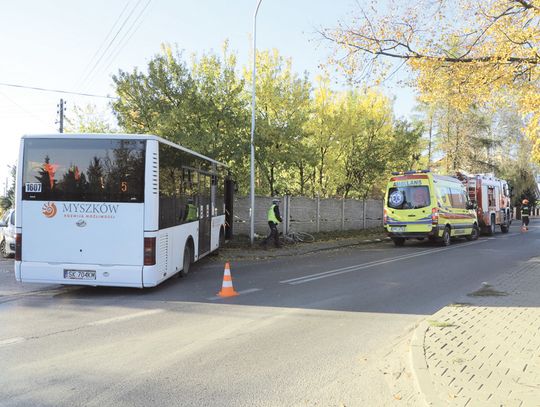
pixel 7 234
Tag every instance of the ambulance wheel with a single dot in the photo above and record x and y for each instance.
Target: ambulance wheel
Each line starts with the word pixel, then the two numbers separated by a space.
pixel 398 241
pixel 446 237
pixel 474 234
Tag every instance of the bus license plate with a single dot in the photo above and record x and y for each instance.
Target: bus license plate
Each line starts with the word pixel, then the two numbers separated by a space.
pixel 80 274
pixel 398 229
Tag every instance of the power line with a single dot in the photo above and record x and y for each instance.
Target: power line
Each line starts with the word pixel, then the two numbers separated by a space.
pixel 24 109
pixel 103 43
pixel 55 90
pixel 89 75
pixel 127 36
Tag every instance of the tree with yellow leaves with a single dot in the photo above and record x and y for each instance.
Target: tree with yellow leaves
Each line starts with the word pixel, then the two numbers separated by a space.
pixel 463 53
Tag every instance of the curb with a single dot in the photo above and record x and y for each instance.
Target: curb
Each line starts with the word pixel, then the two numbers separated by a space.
pixel 320 249
pixel 420 372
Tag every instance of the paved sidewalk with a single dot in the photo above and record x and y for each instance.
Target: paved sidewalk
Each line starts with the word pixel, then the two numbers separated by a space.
pixel 485 350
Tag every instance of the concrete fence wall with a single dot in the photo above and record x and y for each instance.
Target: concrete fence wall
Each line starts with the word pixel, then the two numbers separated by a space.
pixel 309 214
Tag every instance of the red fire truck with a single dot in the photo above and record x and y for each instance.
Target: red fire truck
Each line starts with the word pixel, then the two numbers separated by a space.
pixel 492 197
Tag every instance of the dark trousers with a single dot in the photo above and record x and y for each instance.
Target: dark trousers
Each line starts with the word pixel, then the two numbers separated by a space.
pixel 273 235
pixel 525 220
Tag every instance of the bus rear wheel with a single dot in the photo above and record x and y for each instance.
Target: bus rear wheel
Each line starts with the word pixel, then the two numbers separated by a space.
pixel 188 259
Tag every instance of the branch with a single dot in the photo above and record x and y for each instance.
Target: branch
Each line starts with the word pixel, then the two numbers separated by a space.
pixel 527 5
pixel 416 55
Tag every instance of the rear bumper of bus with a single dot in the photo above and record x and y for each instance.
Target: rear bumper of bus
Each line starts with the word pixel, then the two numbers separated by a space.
pixel 80 274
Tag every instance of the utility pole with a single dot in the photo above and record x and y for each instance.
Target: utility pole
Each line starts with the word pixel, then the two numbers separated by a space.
pixel 60 111
pixel 252 155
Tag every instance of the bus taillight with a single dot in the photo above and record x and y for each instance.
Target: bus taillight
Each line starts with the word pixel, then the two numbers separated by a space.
pixel 149 251
pixel 18 247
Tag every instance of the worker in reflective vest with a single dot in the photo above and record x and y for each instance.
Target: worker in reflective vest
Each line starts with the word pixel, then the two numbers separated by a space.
pixel 274 219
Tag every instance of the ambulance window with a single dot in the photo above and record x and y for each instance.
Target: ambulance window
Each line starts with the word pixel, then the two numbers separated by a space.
pixel 443 194
pixel 409 197
pixel 458 198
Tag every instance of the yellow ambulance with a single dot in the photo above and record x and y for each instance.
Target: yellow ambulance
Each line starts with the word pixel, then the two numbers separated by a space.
pixel 420 204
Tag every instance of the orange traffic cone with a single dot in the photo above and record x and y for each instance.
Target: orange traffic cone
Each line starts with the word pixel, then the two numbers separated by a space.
pixel 227 289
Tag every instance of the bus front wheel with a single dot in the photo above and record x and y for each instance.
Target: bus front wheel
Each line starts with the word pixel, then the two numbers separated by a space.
pixel 221 242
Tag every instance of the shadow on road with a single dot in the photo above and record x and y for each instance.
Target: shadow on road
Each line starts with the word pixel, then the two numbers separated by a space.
pixel 420 278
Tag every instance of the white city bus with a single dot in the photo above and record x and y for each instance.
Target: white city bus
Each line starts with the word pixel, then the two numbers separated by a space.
pixel 114 209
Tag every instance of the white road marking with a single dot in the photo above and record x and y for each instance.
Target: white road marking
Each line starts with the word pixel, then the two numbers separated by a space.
pixel 356 267
pixel 125 317
pixel 11 341
pixel 249 290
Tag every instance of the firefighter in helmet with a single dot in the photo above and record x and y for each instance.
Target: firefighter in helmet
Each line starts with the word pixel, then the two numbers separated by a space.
pixel 525 212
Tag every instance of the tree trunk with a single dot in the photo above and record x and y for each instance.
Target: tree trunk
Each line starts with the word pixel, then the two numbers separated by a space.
pixel 271 181
pixel 302 181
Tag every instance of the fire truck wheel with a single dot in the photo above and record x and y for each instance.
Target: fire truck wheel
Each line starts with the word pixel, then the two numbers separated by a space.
pixel 474 234
pixel 491 228
pixel 446 237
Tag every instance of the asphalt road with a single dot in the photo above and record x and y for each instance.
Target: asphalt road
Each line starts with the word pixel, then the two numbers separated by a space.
pixel 326 329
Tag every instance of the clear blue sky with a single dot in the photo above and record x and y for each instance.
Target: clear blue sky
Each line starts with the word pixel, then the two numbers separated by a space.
pixel 56 44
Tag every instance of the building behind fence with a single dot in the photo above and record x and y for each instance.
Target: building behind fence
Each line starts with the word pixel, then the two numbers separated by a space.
pixel 310 215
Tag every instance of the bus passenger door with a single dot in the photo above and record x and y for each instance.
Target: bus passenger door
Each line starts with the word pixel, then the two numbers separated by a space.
pixel 205 217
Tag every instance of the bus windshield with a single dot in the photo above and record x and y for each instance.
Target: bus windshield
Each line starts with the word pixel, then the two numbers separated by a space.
pixel 87 170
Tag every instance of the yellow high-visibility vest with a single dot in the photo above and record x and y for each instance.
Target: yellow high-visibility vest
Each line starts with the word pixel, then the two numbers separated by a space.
pixel 272 215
